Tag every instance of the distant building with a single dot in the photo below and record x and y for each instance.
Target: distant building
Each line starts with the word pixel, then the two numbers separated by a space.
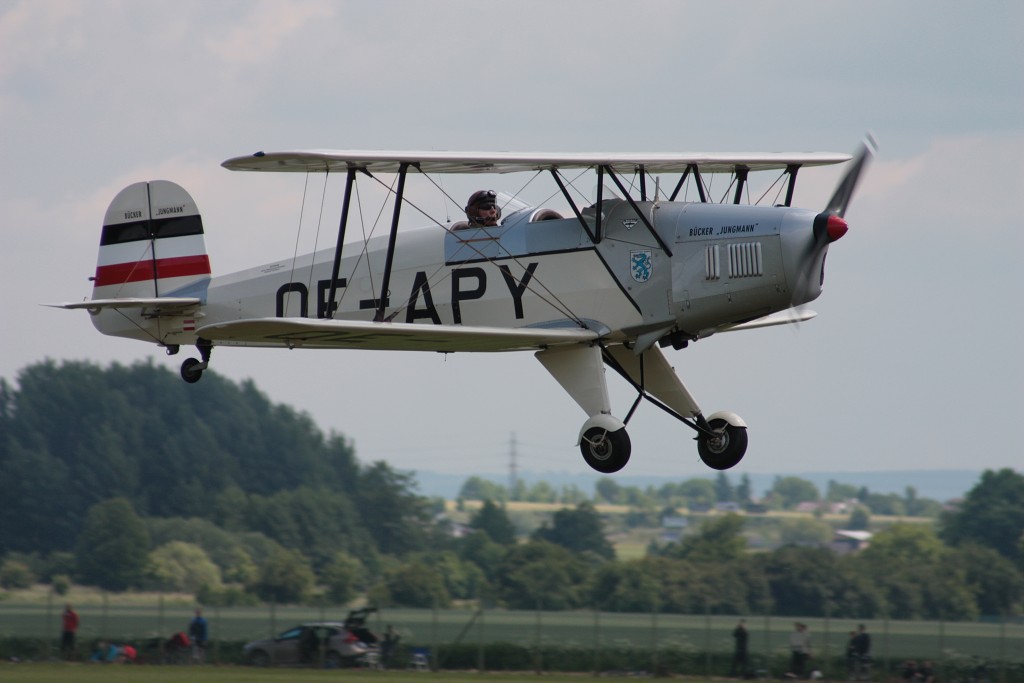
pixel 727 506
pixel 674 522
pixel 846 541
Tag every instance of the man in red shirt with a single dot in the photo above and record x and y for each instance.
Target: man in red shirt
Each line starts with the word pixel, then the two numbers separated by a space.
pixel 69 624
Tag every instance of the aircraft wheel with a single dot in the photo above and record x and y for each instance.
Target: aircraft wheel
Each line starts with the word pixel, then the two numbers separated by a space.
pixel 605 451
pixel 189 372
pixel 726 449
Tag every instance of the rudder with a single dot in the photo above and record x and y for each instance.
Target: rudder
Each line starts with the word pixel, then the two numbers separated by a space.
pixel 152 243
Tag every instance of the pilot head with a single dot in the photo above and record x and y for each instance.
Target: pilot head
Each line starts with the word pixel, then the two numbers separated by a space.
pixel 482 208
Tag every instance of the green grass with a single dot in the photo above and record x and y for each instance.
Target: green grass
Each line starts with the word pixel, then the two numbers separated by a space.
pixel 100 673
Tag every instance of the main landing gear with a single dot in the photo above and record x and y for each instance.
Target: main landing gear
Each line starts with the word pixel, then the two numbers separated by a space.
pixel 603 440
pixel 192 368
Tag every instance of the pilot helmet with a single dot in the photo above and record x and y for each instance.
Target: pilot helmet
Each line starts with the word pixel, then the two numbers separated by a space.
pixel 482 200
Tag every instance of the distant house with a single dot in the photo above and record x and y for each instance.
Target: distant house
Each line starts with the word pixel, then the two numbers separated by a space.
pixel 699 507
pixel 674 522
pixel 808 506
pixel 846 541
pixel 727 506
pixel 458 530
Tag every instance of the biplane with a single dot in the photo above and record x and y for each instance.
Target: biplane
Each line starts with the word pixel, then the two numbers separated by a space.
pixel 610 281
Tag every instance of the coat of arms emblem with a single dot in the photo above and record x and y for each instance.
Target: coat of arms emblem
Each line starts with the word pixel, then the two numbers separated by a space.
pixel 641 264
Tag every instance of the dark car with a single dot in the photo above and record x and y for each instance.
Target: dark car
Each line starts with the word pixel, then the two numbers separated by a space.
pixel 306 643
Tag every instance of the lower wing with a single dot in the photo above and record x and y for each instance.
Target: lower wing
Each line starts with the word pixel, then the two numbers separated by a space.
pixel 359 334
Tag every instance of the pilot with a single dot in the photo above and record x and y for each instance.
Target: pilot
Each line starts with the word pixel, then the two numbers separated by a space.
pixel 482 209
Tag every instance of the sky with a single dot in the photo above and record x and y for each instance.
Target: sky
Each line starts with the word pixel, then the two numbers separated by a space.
pixel 914 361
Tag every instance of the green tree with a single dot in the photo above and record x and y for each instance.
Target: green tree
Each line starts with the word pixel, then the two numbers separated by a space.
pixel 719 540
pixel 745 490
pixel 477 488
pixel 180 566
pixel 15 574
pixel 997 585
pixel 415 584
pixel 697 492
pixel 542 575
pixel 791 491
pixel 860 519
pixel 992 515
pixel 493 521
pixel 608 490
pixel 341 577
pixel 804 531
pixel 113 546
pixel 396 518
pixel 837 492
pixel 578 529
pixel 285 577
pixel 724 491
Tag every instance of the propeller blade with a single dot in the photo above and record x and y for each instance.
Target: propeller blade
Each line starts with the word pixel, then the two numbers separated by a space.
pixel 844 191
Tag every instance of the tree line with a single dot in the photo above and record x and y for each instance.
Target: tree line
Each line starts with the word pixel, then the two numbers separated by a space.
pixel 124 477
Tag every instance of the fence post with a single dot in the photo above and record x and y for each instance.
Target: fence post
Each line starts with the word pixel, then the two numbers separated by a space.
pixel 885 645
pixel 49 614
pixel 942 649
pixel 538 660
pixel 767 643
pixel 160 619
pixel 707 637
pixel 597 641
pixel 273 626
pixel 435 646
pixel 213 644
pixel 480 640
pixel 654 635
pixel 103 617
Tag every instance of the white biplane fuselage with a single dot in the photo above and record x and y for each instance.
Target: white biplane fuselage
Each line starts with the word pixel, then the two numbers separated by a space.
pixel 608 284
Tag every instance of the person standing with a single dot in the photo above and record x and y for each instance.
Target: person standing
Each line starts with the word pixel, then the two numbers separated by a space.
pixel 198 630
pixel 68 628
pixel 862 653
pixel 739 654
pixel 800 649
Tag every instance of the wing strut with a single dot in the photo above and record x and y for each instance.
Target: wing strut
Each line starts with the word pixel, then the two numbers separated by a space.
pixel 342 225
pixel 741 180
pixel 385 286
pixel 690 168
pixel 576 209
pixel 791 170
pixel 643 218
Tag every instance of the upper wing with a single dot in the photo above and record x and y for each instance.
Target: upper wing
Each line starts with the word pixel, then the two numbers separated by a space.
pixel 360 334
pixel 152 306
pixel 313 161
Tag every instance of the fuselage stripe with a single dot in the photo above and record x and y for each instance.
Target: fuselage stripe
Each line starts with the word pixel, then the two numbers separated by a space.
pixel 138 271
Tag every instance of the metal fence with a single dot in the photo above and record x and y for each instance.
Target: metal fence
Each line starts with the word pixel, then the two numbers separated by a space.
pixel 585 640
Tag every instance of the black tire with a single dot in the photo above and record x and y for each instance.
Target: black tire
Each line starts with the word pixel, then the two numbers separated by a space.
pixel 189 372
pixel 725 451
pixel 605 451
pixel 333 660
pixel 258 658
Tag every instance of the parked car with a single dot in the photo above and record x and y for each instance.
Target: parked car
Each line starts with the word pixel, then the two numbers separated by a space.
pixel 306 643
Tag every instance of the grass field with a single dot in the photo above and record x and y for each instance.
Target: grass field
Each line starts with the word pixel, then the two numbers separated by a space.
pixel 84 673
pixel 133 620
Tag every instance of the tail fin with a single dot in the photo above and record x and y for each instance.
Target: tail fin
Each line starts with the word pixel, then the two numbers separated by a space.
pixel 152 244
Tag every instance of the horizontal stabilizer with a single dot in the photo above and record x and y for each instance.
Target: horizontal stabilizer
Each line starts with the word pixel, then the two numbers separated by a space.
pixel 361 334
pixel 782 318
pixel 152 306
